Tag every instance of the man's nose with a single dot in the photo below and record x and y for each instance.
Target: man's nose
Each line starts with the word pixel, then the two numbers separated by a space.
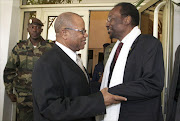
pixel 107 24
pixel 85 35
pixel 34 28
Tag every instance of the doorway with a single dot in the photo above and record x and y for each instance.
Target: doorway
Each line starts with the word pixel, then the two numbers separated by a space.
pixel 98 36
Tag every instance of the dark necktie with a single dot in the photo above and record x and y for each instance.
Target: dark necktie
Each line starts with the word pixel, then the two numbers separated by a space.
pixel 114 61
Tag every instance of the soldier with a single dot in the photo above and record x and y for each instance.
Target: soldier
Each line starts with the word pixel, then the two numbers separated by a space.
pixel 18 70
pixel 99 68
pixel 107 51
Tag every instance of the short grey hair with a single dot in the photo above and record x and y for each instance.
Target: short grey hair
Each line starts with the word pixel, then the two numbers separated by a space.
pixel 64 20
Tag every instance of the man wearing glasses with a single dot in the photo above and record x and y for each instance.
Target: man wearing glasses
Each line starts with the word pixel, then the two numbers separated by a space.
pixel 134 69
pixel 61 89
pixel 18 70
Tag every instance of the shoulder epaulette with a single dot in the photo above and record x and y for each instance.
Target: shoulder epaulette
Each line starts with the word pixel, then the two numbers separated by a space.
pixel 21 41
pixel 50 41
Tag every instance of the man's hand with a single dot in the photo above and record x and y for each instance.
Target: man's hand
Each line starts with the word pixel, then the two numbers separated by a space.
pixel 110 99
pixel 13 97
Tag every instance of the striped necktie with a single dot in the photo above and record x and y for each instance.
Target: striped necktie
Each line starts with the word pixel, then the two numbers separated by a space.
pixel 114 61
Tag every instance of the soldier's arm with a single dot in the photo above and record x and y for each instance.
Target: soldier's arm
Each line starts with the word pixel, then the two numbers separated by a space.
pixel 10 73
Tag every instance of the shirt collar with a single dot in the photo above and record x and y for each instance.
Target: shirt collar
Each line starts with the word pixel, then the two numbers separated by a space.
pixel 29 43
pixel 68 51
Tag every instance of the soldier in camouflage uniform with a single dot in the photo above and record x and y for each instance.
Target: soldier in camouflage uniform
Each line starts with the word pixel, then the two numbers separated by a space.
pixel 107 52
pixel 18 70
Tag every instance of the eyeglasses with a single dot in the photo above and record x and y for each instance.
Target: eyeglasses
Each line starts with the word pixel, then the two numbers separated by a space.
pixel 82 31
pixel 109 19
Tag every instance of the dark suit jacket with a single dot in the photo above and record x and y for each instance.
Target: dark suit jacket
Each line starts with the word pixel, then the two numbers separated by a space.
pixel 143 81
pixel 172 90
pixel 61 91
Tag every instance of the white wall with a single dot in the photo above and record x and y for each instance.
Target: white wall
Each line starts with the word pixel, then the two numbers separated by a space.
pixel 5 19
pixel 176 30
pixel 9 27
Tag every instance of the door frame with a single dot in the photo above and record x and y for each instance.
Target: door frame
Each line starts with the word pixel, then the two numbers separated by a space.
pixel 43 11
pixel 167 37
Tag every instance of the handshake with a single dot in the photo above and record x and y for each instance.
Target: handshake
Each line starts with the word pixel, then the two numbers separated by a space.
pixel 110 99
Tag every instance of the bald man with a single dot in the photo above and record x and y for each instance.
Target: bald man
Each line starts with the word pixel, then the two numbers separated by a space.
pixel 61 88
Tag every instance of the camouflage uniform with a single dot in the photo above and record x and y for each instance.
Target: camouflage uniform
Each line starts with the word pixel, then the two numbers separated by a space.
pixel 107 52
pixel 18 75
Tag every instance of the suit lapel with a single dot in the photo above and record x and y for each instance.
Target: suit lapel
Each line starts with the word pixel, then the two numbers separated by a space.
pixel 69 62
pixel 133 45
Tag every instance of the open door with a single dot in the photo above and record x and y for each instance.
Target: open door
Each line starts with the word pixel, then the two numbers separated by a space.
pixel 165 26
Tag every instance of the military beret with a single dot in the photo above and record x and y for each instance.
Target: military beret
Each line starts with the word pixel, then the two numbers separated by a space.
pixel 35 21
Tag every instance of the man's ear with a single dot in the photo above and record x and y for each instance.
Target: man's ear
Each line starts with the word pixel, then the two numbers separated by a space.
pixel 64 34
pixel 41 29
pixel 127 20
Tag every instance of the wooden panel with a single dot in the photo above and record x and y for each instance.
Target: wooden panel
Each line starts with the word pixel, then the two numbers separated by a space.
pixel 98 34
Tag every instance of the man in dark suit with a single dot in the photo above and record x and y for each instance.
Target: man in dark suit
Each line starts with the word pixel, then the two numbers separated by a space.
pixel 138 71
pixel 173 105
pixel 61 88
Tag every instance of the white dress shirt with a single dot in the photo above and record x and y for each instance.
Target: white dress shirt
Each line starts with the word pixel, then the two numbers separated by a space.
pixel 68 51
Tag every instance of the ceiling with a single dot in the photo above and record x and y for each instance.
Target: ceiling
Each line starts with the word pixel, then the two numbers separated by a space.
pixel 25 2
pixel 110 1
